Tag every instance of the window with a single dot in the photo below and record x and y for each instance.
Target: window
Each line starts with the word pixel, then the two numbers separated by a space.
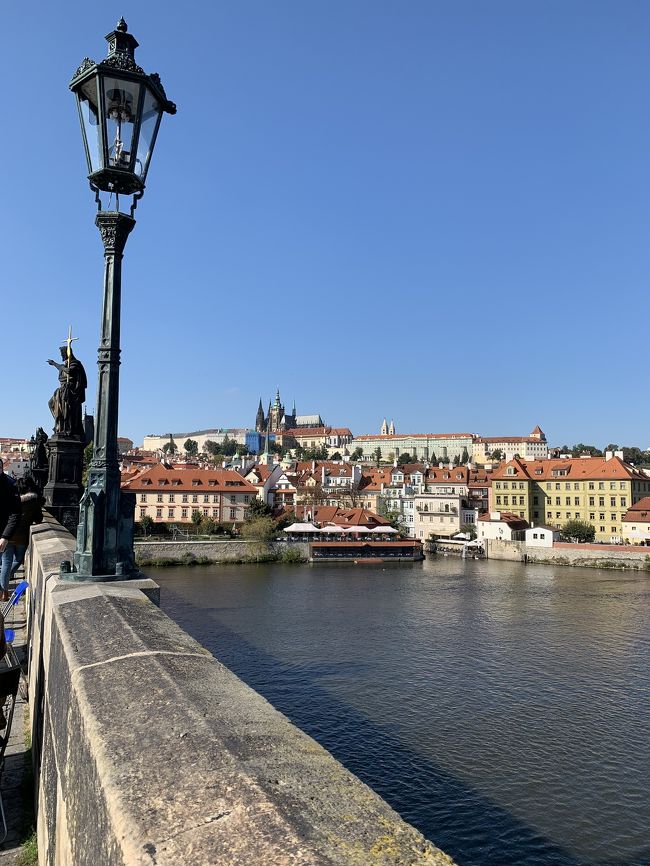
pixel 143 512
pixel 535 535
pixel 215 512
pixel 171 497
pixel 577 515
pixel 592 516
pixel 206 497
pixel 576 500
pixel 613 517
pixel 170 512
pixel 601 500
pixel 498 500
pixel 602 528
pixel 592 500
pixel 612 502
pixel 247 498
pixel 558 515
pixel 601 485
pixel 557 485
pixel 232 499
pixel 143 497
pixel 568 500
pixel 567 486
pixel 557 500
pixel 159 512
pixel 612 485
pixel 601 516
pixel 215 497
pixel 622 485
pixel 505 500
pixel 623 502
pixel 548 485
pixel 195 497
pixel 576 486
pixel 184 497
pixel 206 512
pixel 183 512
pixel 591 485
pixel 613 529
pixel 233 513
pixel 521 500
pixel 159 497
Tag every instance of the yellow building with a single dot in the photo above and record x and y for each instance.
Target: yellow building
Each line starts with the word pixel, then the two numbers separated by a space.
pixel 596 490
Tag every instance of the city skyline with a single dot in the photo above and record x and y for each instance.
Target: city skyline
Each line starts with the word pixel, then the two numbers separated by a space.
pixel 438 216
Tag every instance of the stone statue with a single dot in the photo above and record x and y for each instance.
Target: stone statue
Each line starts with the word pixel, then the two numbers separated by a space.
pixel 66 402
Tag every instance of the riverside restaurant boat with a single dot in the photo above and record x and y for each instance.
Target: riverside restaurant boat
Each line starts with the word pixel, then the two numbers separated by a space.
pixel 357 544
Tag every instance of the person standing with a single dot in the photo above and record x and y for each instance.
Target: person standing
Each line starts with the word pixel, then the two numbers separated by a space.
pixel 10 510
pixel 14 552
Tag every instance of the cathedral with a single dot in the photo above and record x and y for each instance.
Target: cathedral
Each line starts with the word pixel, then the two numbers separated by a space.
pixel 277 420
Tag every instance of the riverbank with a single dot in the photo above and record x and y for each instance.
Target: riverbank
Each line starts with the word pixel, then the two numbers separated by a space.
pixel 188 553
pixel 616 556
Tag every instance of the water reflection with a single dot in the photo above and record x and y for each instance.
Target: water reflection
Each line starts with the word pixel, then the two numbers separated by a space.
pixel 502 709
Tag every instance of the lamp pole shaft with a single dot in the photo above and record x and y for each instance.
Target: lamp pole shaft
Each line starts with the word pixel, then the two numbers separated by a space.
pixel 105 531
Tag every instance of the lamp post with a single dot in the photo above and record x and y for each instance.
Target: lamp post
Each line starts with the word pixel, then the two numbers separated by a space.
pixel 120 108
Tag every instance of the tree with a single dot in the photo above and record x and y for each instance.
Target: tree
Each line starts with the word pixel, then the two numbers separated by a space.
pixel 403 458
pixel 146 524
pixel 212 448
pixel 257 509
pixel 228 446
pixel 497 454
pixel 465 457
pixel 336 456
pixel 357 454
pixel 197 519
pixel 242 451
pixel 88 456
pixel 376 454
pixel 433 459
pixel 581 448
pixel 578 531
pixel 469 529
pixel 170 447
pixel 191 447
pixel 208 525
pixel 456 460
pixel 259 529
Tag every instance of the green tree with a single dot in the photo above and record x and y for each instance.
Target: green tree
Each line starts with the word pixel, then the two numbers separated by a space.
pixel 465 458
pixel 228 446
pixel 469 529
pixel 169 447
pixel 88 456
pixel 212 448
pixel 456 460
pixel 433 459
pixel 497 454
pixel 376 454
pixel 191 447
pixel 259 529
pixel 146 525
pixel 578 531
pixel 257 509
pixel 357 454
pixel 336 456
pixel 209 526
pixel 581 448
pixel 197 519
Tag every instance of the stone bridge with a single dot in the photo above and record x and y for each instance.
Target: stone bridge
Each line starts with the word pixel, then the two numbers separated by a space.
pixel 149 751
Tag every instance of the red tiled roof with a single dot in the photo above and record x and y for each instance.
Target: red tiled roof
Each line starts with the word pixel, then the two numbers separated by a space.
pixel 191 479
pixel 639 511
pixel 592 468
pixel 512 520
pixel 343 516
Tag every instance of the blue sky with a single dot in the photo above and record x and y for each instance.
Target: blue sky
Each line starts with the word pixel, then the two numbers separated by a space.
pixel 435 212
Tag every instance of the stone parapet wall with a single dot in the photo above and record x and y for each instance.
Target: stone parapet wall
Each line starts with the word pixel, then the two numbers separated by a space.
pixel 584 556
pixel 215 551
pixel 149 751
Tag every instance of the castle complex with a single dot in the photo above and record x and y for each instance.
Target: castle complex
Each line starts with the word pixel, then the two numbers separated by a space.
pixel 277 419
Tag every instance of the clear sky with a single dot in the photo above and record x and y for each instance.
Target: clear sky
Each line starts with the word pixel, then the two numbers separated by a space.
pixel 437 212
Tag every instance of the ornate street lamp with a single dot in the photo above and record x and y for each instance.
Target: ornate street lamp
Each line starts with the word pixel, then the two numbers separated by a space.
pixel 120 108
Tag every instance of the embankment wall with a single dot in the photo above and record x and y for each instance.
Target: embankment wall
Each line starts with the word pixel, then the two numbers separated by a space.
pixel 215 551
pixel 149 752
pixel 585 556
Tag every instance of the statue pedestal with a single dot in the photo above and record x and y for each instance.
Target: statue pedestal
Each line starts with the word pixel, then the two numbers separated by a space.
pixel 64 486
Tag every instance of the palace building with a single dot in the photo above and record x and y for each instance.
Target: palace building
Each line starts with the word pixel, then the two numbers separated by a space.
pixel 278 420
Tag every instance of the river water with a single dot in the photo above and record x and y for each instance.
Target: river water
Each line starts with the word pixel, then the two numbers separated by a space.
pixel 502 709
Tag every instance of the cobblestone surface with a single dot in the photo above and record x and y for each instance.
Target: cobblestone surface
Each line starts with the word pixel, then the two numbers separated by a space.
pixel 16 756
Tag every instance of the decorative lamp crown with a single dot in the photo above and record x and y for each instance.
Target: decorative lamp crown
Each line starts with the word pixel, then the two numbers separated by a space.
pixel 120 108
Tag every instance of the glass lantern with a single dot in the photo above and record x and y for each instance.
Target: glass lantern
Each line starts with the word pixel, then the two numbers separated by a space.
pixel 120 108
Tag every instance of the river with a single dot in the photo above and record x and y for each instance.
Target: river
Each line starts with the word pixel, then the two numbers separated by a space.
pixel 502 709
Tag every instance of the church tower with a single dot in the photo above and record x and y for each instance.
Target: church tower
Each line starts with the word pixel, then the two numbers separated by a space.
pixel 391 429
pixel 384 428
pixel 259 418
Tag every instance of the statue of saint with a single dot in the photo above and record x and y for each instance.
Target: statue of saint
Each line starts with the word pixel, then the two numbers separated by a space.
pixel 66 402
